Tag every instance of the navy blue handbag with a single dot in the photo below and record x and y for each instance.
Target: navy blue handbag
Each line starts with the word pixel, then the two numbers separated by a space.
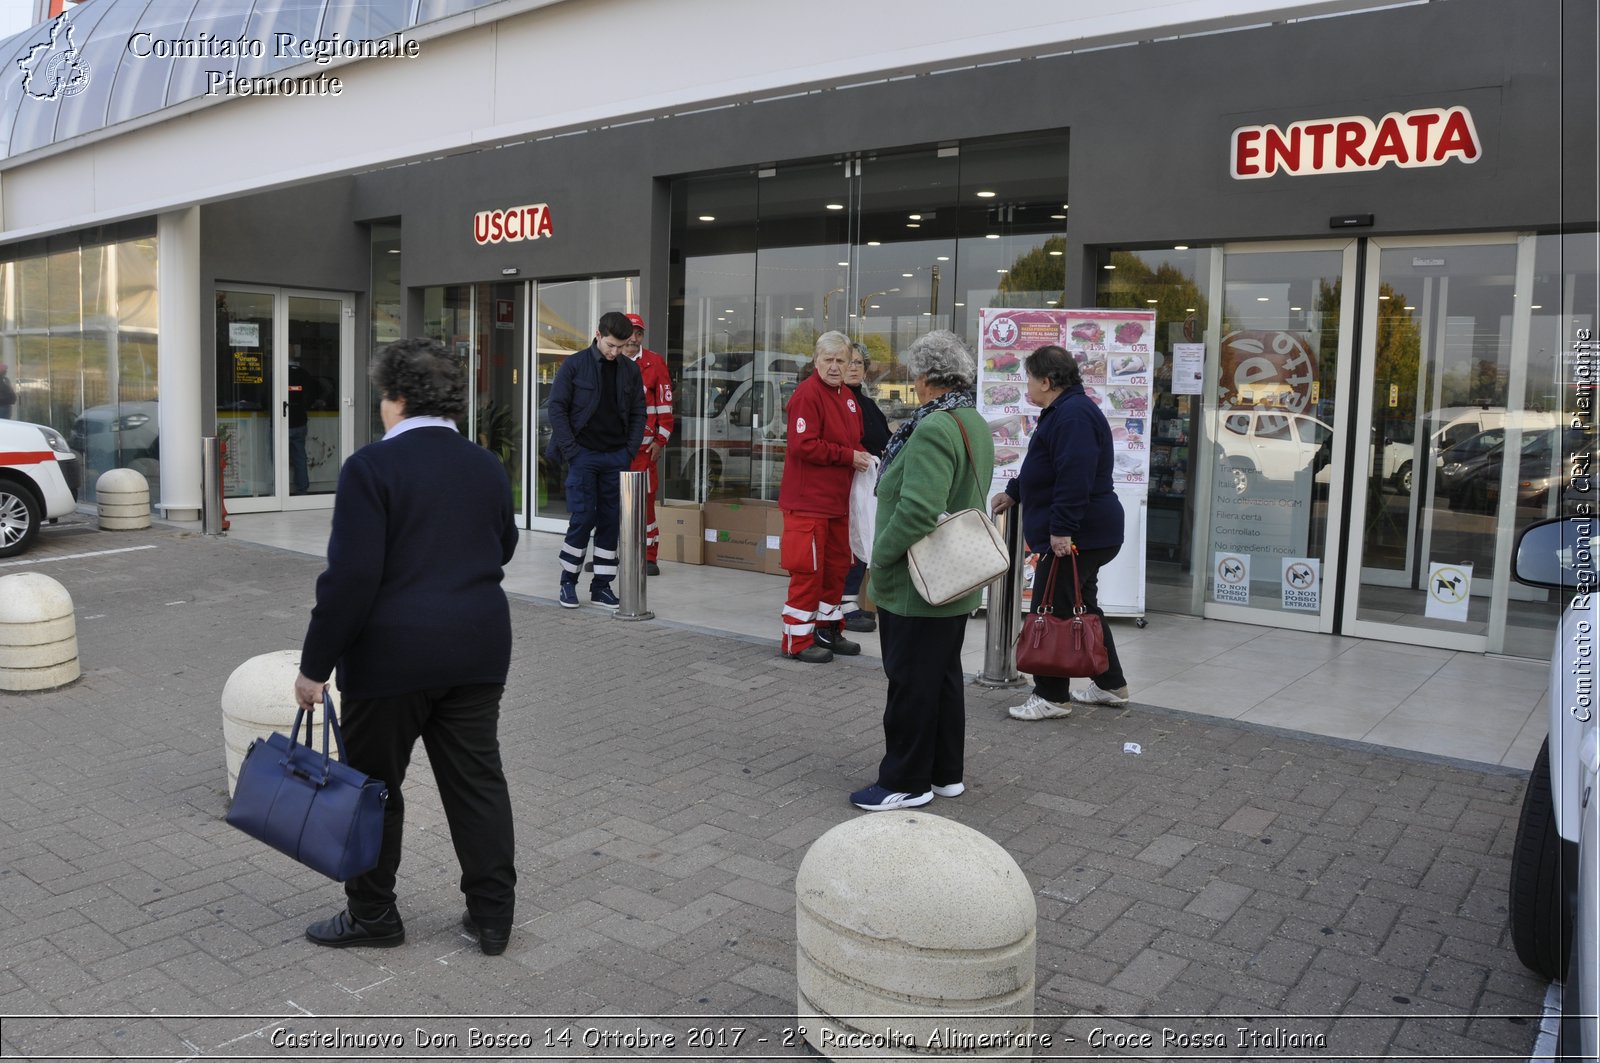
pixel 308 806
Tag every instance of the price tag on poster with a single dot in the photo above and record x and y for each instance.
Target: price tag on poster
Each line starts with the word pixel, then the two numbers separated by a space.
pixel 1449 591
pixel 1302 584
pixel 1188 368
pixel 1231 578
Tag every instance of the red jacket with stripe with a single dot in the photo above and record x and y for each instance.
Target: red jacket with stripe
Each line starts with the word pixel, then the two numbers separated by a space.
pixel 819 462
pixel 658 422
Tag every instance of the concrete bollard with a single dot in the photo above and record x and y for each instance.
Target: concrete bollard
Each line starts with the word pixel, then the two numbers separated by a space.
pixel 923 921
pixel 258 699
pixel 38 633
pixel 124 500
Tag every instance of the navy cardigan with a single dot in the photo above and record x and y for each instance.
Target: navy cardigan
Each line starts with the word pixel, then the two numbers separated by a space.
pixel 411 597
pixel 1065 481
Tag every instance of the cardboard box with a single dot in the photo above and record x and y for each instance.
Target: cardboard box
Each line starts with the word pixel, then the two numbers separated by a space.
pixel 736 535
pixel 774 533
pixel 682 528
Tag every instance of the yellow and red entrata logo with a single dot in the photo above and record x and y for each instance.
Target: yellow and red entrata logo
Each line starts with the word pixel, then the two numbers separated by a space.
pixel 1431 136
pixel 512 224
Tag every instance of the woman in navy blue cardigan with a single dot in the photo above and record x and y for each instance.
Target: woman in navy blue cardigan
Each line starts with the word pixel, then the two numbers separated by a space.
pixel 411 613
pixel 1068 505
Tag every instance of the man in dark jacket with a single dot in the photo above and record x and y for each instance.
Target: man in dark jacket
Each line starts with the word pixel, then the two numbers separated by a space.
pixel 596 423
pixel 411 613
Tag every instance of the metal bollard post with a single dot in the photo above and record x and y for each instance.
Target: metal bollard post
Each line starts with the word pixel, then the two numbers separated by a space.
pixel 211 484
pixel 630 548
pixel 1005 598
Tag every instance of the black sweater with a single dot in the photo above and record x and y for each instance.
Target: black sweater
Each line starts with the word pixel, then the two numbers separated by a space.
pixel 411 598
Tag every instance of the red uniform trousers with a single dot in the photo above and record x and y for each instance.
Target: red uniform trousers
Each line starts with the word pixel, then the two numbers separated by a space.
pixel 815 551
pixel 642 462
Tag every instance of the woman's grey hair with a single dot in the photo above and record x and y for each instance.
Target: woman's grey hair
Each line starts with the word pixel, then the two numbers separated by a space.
pixel 943 359
pixel 833 342
pixel 427 377
pixel 1055 366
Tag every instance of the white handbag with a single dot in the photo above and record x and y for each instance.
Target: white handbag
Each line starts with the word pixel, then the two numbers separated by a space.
pixel 962 553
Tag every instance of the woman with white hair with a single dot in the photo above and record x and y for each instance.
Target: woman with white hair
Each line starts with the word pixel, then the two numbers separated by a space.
pixel 941 460
pixel 823 454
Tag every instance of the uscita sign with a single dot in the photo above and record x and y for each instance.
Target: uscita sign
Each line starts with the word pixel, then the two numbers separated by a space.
pixel 511 224
pixel 1431 136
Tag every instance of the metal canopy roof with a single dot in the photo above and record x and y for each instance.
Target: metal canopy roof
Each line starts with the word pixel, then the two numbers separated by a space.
pixel 110 61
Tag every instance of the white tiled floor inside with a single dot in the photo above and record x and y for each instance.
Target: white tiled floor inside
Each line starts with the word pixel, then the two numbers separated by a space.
pixel 1463 705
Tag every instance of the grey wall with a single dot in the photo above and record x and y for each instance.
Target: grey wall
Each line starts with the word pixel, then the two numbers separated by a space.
pixel 1150 130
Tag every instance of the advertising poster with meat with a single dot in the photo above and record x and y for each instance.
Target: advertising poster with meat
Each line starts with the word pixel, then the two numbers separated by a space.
pixel 1115 349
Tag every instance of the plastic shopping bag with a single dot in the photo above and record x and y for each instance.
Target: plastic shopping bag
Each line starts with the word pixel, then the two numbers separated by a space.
pixel 864 510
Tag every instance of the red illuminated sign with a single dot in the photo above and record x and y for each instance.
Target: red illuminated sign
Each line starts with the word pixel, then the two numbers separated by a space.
pixel 512 224
pixel 1431 136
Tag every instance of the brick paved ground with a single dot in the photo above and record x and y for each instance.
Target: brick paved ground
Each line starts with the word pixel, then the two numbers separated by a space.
pixel 667 784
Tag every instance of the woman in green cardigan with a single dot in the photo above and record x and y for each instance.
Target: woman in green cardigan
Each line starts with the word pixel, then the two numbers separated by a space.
pixel 940 461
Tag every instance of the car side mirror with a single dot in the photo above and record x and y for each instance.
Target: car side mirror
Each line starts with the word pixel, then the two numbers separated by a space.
pixel 1558 554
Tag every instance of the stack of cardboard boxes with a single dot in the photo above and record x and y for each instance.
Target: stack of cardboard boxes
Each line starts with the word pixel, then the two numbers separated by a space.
pixel 742 535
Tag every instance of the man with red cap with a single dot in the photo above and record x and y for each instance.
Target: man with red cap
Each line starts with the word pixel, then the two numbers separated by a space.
pixel 657 430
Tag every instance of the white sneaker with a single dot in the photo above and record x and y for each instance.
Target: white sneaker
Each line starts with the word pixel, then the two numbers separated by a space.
pixel 955 789
pixel 1036 708
pixel 1093 695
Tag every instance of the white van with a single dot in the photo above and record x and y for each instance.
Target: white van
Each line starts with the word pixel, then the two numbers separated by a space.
pixel 39 482
pixel 732 424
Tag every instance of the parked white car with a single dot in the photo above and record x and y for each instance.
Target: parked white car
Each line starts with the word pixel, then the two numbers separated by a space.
pixel 1554 896
pixel 39 480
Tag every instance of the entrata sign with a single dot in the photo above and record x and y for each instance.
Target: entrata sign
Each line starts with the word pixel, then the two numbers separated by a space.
pixel 1431 136
pixel 512 224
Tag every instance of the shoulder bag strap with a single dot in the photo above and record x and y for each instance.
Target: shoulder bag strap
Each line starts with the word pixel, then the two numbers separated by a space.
pixel 966 441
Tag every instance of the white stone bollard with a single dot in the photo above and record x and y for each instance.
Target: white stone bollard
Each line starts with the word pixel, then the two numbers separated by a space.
pixel 123 497
pixel 908 914
pixel 38 633
pixel 257 700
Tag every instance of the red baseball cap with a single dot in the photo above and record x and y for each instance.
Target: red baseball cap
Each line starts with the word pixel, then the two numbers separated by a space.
pixel 638 322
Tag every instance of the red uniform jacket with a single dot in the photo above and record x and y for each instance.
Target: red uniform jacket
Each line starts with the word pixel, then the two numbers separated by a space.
pixel 824 434
pixel 658 421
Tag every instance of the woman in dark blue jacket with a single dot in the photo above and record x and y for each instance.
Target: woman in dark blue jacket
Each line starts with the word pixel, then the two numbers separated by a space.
pixel 1068 505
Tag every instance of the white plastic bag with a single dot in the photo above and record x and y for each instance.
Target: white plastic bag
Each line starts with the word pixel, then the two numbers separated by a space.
pixel 864 511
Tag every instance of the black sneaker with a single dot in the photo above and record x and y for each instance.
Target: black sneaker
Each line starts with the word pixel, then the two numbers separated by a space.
pixel 652 569
pixel 835 641
pixel 859 621
pixel 816 653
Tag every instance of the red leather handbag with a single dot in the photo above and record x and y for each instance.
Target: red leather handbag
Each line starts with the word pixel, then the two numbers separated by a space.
pixel 1065 647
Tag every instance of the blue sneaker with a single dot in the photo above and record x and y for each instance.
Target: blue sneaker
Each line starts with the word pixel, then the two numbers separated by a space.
pixel 569 595
pixel 876 798
pixel 602 595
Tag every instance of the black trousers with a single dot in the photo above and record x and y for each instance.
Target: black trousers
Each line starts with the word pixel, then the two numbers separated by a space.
pixel 1052 688
pixel 925 719
pixel 459 729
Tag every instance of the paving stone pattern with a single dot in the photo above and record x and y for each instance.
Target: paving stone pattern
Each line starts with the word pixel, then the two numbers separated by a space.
pixel 667 784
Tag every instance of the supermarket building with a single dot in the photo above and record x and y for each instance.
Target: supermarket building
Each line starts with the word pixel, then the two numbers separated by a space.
pixel 1367 232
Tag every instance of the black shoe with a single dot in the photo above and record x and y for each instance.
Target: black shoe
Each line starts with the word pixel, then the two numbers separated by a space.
pixel 652 569
pixel 816 653
pixel 860 622
pixel 834 640
pixel 492 942
pixel 345 931
pixel 588 566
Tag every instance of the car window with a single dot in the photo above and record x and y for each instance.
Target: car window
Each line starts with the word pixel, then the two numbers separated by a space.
pixel 1273 426
pixel 1237 423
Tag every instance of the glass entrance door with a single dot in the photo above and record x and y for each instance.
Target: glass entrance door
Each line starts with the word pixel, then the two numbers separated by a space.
pixel 282 396
pixel 1275 377
pixel 1455 427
